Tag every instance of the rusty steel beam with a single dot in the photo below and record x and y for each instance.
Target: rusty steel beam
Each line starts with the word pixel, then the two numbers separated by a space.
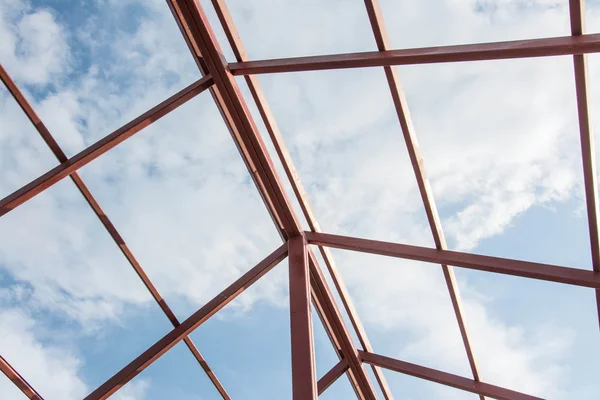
pixel 107 223
pixel 412 145
pixel 588 152
pixel 89 154
pixel 546 47
pixel 332 375
pixel 526 269
pixel 304 382
pixel 18 380
pixel 444 378
pixel 188 326
pixel 301 196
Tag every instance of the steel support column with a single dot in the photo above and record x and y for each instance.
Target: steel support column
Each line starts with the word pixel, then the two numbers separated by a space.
pixel 304 384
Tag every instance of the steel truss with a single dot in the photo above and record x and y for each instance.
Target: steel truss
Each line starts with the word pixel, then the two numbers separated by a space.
pixel 308 285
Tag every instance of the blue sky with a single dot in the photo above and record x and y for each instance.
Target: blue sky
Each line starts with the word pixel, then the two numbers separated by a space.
pixel 500 145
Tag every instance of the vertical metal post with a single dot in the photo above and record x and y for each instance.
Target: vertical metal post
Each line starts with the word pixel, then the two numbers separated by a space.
pixel 304 382
pixel 588 151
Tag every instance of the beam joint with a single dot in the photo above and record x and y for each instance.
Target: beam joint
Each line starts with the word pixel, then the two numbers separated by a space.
pixel 332 375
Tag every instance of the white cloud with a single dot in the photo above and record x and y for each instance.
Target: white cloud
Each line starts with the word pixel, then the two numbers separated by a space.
pixel 499 146
pixel 52 370
pixel 412 303
pixel 34 44
pixel 134 390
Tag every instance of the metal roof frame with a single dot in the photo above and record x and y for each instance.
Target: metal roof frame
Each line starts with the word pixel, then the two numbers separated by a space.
pixel 308 286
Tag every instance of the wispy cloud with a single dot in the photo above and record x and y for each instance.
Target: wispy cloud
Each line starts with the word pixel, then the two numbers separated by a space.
pixel 51 369
pixel 34 43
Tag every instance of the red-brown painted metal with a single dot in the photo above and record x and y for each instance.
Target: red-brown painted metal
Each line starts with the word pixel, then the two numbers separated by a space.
pixel 526 269
pixel 332 375
pixel 192 322
pixel 82 158
pixel 414 152
pixel 290 170
pixel 304 380
pixel 547 47
pixel 456 381
pixel 588 151
pixel 107 223
pixel 18 380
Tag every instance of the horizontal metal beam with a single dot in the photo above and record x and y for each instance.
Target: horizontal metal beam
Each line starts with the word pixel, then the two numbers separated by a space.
pixel 546 47
pixel 188 326
pixel 18 380
pixel 546 272
pixel 89 154
pixel 444 378
pixel 332 375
